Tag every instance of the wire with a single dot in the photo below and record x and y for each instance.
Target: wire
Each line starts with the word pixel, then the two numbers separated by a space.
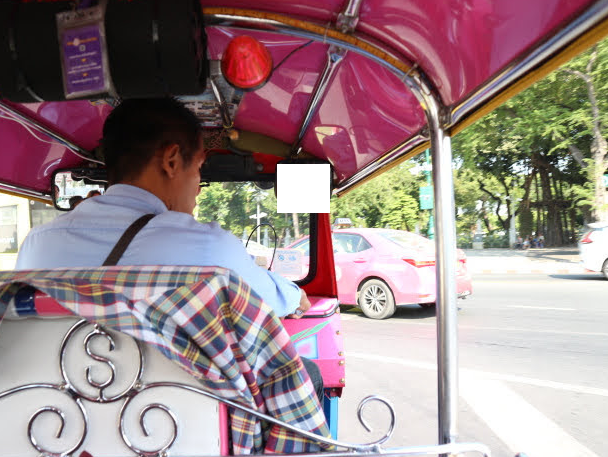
pixel 27 127
pixel 274 251
pixel 290 54
pixel 10 117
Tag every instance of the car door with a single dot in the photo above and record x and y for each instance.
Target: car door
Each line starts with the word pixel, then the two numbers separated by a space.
pixel 353 255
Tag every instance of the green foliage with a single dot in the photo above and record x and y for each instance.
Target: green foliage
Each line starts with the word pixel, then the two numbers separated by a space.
pixel 496 241
pixel 466 196
pixel 547 130
pixel 401 211
pixel 228 204
pixel 390 199
pixel 233 204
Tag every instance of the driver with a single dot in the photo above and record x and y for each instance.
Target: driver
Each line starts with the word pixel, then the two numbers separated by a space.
pixel 154 151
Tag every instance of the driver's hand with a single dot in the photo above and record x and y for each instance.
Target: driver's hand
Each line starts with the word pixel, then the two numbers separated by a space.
pixel 301 310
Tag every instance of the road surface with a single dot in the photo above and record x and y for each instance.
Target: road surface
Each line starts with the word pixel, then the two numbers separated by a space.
pixel 533 359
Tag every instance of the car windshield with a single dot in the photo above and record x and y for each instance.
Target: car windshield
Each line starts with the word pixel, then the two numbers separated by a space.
pixel 250 213
pixel 408 240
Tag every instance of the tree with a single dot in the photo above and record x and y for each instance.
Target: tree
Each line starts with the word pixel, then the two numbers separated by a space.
pixel 401 212
pixel 590 70
pixel 550 142
pixel 232 205
pixel 389 199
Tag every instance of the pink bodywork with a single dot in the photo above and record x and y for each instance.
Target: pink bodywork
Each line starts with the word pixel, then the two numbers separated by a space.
pixel 367 110
pixel 387 261
pixel 318 336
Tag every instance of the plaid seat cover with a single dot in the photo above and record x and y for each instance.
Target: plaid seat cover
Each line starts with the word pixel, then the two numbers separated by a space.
pixel 208 321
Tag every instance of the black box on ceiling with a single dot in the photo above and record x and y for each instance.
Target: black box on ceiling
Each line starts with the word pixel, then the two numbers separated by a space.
pixel 155 48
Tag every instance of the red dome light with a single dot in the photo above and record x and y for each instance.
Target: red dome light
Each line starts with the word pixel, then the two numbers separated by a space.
pixel 246 64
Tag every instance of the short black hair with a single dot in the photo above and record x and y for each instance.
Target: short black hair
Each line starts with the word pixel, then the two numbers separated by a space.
pixel 137 128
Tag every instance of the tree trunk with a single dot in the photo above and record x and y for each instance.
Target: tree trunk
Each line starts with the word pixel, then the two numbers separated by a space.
pixel 538 199
pixel 552 237
pixel 600 200
pixel 572 238
pixel 296 225
pixel 557 208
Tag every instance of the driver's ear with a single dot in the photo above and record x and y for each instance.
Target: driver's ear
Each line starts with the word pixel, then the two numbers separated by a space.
pixel 171 160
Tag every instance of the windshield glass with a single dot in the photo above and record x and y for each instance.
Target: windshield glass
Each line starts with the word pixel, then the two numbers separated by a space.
pixel 250 213
pixel 408 240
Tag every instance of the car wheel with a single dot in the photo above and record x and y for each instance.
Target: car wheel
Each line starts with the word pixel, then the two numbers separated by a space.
pixel 605 269
pixel 376 299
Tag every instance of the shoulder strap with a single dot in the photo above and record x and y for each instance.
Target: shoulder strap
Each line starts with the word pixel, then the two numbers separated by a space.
pixel 125 240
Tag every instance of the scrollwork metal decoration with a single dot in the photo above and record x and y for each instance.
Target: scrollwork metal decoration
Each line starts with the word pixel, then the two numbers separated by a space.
pixel 51 409
pixel 97 331
pixel 136 387
pixel 30 424
pixel 162 450
pixel 390 408
pixel 372 446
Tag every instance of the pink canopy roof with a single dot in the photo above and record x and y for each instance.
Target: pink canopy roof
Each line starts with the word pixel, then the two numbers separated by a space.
pixel 464 49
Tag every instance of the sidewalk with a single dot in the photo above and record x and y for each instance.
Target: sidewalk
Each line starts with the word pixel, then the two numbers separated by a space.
pixel 562 260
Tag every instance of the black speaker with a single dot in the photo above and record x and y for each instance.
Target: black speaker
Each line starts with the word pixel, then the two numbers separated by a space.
pixel 156 47
pixel 30 60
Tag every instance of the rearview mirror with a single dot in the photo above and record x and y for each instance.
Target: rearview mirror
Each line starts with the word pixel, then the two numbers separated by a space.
pixel 72 186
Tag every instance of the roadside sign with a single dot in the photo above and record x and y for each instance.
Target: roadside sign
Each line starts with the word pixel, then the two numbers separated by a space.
pixel 605 180
pixel 426 197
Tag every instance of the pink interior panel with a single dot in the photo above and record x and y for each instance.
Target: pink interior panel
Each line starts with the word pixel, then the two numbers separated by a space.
pixel 224 430
pixel 460 44
pixel 79 121
pixel 359 118
pixel 29 160
pixel 321 306
pixel 323 336
pixel 277 109
pixel 322 10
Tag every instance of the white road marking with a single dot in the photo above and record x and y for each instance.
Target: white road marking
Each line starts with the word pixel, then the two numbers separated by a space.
pixel 531 330
pixel 541 307
pixel 347 317
pixel 517 423
pixel 485 374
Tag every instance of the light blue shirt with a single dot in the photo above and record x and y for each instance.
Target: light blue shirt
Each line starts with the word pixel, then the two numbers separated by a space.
pixel 85 236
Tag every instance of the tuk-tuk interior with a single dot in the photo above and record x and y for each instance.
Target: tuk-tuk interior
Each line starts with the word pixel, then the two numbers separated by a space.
pixel 361 86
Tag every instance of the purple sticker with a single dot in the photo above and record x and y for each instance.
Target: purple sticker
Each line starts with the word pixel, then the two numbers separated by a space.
pixel 83 60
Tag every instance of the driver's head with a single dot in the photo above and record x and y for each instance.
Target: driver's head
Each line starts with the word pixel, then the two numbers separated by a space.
pixel 137 130
pixel 155 144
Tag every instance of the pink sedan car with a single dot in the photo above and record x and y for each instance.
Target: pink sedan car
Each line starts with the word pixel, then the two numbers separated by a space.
pixel 379 269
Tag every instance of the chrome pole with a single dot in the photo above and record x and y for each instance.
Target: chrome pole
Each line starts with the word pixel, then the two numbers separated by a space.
pixel 334 57
pixel 348 19
pixel 445 243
